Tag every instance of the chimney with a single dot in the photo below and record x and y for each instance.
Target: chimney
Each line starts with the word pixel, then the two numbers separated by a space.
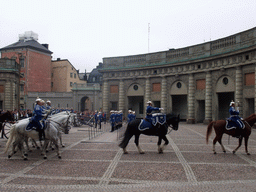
pixel 58 59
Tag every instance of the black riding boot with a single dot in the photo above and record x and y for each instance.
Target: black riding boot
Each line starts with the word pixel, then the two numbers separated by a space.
pixel 238 133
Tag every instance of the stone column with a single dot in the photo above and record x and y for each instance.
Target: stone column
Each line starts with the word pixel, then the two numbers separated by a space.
pixel 255 92
pixel 121 95
pixel 239 90
pixel 164 94
pixel 105 97
pixel 191 100
pixel 147 94
pixel 208 98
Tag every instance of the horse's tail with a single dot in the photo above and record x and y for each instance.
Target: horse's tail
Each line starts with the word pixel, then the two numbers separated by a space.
pixel 127 136
pixel 209 131
pixel 13 134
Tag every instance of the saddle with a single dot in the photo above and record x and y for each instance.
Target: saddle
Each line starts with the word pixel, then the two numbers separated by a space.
pixel 232 124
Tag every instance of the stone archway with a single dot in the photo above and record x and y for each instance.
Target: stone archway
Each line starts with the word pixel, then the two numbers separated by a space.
pixel 86 104
pixel 179 103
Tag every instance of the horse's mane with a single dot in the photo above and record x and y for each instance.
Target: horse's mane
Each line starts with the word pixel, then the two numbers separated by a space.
pixel 251 117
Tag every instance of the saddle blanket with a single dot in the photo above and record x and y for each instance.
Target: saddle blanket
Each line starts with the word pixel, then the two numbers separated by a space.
pixel 158 118
pixel 144 125
pixel 31 126
pixel 232 125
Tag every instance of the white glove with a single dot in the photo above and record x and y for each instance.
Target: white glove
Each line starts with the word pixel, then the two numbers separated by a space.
pixel 161 108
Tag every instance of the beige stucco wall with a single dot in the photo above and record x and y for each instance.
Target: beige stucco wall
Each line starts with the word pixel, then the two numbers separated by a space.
pixel 61 78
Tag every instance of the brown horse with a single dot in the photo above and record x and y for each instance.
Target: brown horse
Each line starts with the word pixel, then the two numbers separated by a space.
pixel 220 129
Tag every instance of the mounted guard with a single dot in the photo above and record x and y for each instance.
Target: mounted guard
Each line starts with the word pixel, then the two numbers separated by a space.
pixel 234 122
pixel 151 120
pixel 36 120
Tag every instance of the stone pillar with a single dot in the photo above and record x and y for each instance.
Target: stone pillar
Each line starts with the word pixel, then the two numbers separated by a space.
pixel 255 91
pixel 8 96
pixel 105 97
pixel 191 100
pixel 164 94
pixel 239 90
pixel 208 98
pixel 121 95
pixel 147 93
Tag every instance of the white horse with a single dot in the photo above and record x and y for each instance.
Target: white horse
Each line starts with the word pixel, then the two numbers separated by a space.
pixel 18 134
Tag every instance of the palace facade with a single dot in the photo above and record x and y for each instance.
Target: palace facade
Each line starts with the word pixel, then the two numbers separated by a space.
pixel 197 82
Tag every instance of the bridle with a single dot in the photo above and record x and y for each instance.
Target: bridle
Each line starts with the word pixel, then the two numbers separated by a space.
pixel 61 124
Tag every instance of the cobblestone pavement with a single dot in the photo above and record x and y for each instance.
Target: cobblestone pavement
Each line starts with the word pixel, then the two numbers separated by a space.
pixel 187 164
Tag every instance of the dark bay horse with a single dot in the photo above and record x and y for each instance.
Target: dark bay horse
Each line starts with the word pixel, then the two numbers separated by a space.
pixel 220 128
pixel 4 117
pixel 159 130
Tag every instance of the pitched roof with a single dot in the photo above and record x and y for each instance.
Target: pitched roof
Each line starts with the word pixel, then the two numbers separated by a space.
pixel 32 44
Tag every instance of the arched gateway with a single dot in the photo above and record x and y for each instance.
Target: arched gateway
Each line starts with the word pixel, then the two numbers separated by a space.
pixel 197 81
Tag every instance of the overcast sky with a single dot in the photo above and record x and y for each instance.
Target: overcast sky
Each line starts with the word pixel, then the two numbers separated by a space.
pixel 85 31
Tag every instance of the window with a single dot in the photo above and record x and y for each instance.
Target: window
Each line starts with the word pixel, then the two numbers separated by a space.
pixel 71 75
pixel 114 105
pixel 1 89
pixel 225 80
pixel 93 79
pixel 22 88
pixel 51 84
pixel 71 84
pixel 135 87
pixel 178 85
pixel 22 62
pixel 200 84
pixel 75 75
pixel 113 88
pixel 156 87
pixel 52 74
pixel 249 79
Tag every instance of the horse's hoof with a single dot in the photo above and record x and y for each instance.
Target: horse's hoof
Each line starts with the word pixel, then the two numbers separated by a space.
pixel 125 152
pixel 160 152
pixel 142 152
pixel 214 153
pixel 45 157
pixel 38 147
pixel 14 152
pixel 63 145
pixel 224 151
pixel 26 154
pixel 234 152
pixel 34 146
pixel 248 154
pixel 46 151
pixel 9 156
pixel 52 149
pixel 59 157
pixel 25 159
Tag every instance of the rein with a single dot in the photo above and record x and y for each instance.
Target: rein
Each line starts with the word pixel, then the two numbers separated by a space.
pixel 60 123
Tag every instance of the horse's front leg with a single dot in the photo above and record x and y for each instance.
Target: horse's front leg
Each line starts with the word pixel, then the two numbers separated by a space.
pixel 55 142
pixel 137 144
pixel 161 148
pixel 239 145
pixel 60 138
pixel 246 145
pixel 46 142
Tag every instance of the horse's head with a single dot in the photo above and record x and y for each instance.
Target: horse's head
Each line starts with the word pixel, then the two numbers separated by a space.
pixel 9 116
pixel 173 121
